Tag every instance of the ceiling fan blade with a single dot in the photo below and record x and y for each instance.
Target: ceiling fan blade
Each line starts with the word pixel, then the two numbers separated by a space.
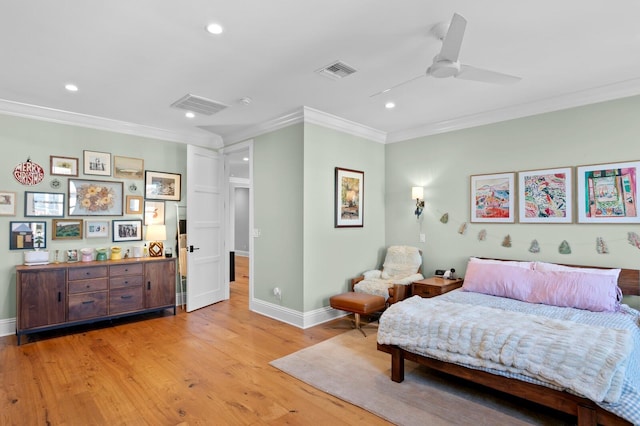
pixel 388 89
pixel 468 72
pixel 452 41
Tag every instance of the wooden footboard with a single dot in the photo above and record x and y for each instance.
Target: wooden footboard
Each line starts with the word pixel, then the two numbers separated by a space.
pixel 586 411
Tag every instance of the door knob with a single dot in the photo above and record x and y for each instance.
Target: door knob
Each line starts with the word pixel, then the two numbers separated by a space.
pixel 192 248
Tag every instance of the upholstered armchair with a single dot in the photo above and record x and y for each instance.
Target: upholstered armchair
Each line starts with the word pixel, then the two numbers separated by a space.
pixel 402 266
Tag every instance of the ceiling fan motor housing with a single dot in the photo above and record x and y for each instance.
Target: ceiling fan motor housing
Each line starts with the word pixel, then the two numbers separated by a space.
pixel 442 68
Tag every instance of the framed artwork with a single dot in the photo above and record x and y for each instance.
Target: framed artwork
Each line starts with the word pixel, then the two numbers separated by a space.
pixel 66 229
pixel 94 198
pixel 492 198
pixel 162 186
pixel 7 203
pixel 63 166
pixel 97 163
pixel 349 198
pixel 43 204
pixel 608 193
pixel 134 204
pixel 27 235
pixel 97 228
pixel 72 255
pixel 545 196
pixel 128 168
pixel 154 212
pixel 127 230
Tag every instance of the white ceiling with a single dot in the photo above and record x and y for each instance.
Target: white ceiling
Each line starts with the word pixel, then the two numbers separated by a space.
pixel 133 59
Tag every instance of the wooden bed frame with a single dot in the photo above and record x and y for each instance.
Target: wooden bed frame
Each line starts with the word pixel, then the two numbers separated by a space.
pixel 586 411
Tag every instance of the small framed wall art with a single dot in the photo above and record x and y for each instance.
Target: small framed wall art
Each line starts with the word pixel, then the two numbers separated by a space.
pixel 7 203
pixel 97 163
pixel 349 198
pixel 154 212
pixel 162 186
pixel 63 166
pixel 545 196
pixel 43 204
pixel 66 229
pixel 134 204
pixel 97 228
pixel 493 198
pixel 608 193
pixel 128 168
pixel 127 230
pixel 27 235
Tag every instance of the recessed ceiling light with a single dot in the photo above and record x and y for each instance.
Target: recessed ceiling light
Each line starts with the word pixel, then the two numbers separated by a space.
pixel 71 87
pixel 390 105
pixel 245 159
pixel 215 29
pixel 189 114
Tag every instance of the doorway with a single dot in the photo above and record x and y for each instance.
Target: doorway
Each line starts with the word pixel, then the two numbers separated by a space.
pixel 238 163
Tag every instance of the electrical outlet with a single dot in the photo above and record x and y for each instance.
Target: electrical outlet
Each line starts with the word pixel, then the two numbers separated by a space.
pixel 423 238
pixel 277 293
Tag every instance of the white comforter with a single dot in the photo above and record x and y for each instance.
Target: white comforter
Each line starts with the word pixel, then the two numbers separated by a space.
pixel 589 360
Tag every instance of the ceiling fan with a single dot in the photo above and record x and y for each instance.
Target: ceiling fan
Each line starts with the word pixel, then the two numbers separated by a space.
pixel 446 64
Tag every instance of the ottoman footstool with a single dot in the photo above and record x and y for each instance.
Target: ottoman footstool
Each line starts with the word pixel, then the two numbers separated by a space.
pixel 358 304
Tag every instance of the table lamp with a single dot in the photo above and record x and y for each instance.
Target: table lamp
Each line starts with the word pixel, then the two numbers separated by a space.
pixel 156 234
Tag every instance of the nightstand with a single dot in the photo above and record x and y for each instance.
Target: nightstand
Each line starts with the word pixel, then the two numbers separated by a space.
pixel 434 286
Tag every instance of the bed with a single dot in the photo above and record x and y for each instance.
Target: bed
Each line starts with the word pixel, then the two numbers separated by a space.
pixel 577 351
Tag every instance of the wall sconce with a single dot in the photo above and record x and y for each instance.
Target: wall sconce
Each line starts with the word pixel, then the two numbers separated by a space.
pixel 156 234
pixel 417 193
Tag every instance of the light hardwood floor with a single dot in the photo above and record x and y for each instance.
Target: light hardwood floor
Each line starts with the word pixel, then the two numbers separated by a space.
pixel 208 367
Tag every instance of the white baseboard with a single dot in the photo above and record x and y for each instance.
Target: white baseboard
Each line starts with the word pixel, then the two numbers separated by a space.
pixel 293 317
pixel 7 327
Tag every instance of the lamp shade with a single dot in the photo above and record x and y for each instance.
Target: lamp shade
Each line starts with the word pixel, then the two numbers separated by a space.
pixel 417 193
pixel 156 233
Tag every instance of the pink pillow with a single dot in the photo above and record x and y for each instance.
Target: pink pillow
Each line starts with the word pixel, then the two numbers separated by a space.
pixel 594 292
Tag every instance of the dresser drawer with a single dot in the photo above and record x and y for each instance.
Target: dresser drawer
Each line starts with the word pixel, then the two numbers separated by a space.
pixel 125 300
pixel 426 291
pixel 83 286
pixel 87 305
pixel 87 273
pixel 125 281
pixel 132 269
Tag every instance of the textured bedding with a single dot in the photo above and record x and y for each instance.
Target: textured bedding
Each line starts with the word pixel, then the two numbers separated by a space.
pixel 592 354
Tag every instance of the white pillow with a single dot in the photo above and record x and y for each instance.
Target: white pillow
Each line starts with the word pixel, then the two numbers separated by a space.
pixel 554 267
pixel 524 265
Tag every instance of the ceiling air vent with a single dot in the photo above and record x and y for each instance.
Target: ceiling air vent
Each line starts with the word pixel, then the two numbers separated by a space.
pixel 198 105
pixel 336 70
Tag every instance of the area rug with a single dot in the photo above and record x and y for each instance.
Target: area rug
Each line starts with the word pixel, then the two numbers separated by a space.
pixel 350 367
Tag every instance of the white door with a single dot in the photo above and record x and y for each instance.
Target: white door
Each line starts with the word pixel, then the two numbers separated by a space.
pixel 205 236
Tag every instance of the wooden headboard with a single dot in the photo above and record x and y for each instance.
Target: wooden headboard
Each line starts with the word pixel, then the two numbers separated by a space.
pixel 629 282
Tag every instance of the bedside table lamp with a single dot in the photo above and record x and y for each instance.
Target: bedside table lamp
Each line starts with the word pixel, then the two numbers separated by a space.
pixel 156 234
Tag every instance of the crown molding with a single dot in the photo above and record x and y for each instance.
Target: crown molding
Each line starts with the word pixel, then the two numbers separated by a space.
pixel 321 118
pixel 313 116
pixel 99 123
pixel 603 93
pixel 266 127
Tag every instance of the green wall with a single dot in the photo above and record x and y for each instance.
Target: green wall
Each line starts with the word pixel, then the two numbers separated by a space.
pixel 333 255
pixel 599 133
pixel 278 167
pixel 298 249
pixel 22 138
